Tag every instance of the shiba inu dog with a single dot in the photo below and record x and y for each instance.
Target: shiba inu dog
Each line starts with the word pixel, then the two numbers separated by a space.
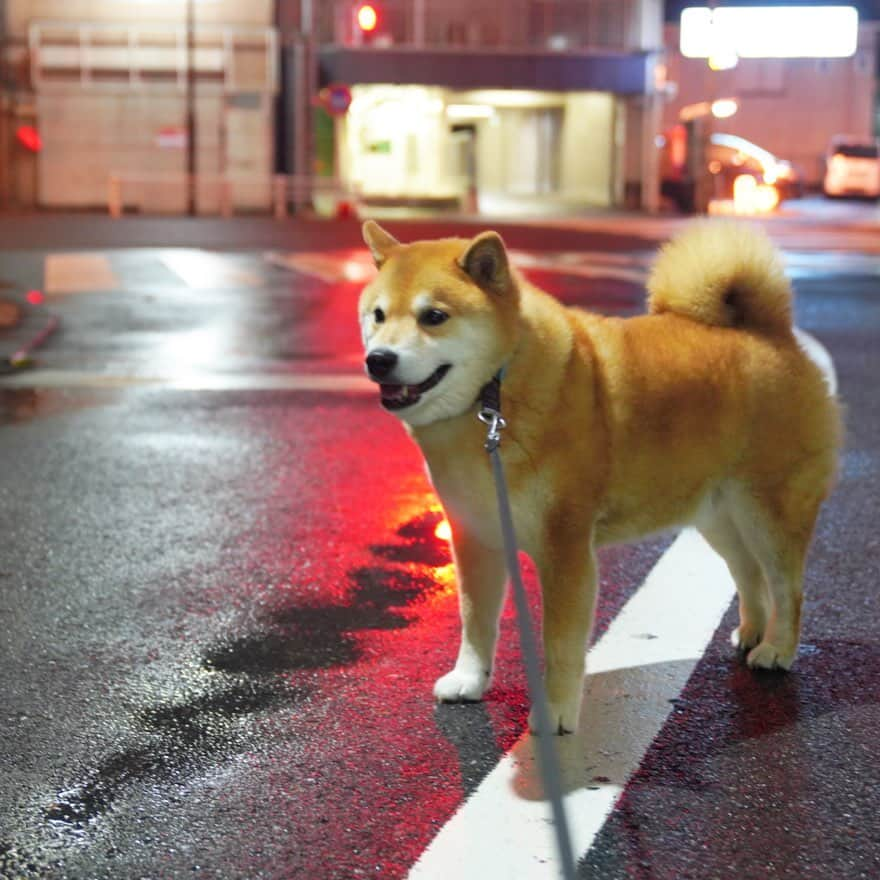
pixel 706 411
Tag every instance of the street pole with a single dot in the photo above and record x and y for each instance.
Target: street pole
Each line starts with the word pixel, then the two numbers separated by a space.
pixel 305 79
pixel 190 107
pixel 419 23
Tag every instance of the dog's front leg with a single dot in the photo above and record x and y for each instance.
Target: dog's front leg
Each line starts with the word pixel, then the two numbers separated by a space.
pixel 481 578
pixel 569 576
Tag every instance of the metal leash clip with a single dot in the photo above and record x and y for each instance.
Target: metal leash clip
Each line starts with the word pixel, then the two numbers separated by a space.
pixel 490 411
pixel 496 424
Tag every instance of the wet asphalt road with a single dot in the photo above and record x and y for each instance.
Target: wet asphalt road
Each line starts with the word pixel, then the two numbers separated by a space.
pixel 222 611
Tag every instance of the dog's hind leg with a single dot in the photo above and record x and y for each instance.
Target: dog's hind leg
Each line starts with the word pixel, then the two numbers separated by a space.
pixel 717 527
pixel 778 528
pixel 481 577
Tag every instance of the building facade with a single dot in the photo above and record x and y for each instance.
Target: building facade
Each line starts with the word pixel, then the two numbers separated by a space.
pixel 135 96
pixel 791 107
pixel 541 103
pixel 551 103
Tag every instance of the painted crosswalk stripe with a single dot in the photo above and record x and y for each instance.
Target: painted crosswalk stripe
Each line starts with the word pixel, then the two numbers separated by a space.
pixel 78 273
pixel 194 381
pixel 204 270
pixel 640 665
pixel 93 272
pixel 331 267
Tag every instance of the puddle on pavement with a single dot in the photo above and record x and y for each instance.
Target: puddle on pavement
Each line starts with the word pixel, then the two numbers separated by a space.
pixel 170 742
pixel 421 544
pixel 297 637
pixel 176 739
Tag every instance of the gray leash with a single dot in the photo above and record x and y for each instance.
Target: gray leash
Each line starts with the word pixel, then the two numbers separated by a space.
pixel 548 763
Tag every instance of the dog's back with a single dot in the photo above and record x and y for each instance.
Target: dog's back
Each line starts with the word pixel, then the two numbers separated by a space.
pixel 712 385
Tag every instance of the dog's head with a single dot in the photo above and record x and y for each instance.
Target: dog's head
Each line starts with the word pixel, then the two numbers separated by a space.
pixel 438 321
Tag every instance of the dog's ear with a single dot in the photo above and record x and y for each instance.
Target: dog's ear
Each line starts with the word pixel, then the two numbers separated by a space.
pixel 378 241
pixel 485 260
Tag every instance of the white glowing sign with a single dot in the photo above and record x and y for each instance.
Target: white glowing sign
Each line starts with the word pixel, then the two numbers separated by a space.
pixel 770 31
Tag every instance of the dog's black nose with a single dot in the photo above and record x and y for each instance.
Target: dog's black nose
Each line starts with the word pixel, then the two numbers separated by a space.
pixel 381 362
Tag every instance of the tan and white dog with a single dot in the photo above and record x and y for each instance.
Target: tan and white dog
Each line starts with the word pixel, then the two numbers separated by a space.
pixel 707 411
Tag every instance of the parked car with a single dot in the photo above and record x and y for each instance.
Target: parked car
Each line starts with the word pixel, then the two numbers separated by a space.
pixel 728 156
pixel 852 168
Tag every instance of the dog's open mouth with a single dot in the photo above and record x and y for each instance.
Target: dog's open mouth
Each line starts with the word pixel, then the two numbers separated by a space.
pixel 401 396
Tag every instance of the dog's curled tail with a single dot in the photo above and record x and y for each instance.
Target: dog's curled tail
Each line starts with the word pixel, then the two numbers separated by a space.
pixel 724 273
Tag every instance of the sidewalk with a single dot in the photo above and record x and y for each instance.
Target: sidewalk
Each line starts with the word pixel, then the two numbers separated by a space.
pixel 822 224
pixel 45 231
pixel 94 231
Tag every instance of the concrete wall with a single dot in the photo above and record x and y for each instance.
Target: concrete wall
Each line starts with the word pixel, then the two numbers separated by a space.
pixel 89 137
pixel 791 107
pixel 109 114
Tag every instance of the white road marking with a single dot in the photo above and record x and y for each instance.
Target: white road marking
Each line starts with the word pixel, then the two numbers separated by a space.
pixel 335 267
pixel 92 272
pixel 205 270
pixel 195 381
pixel 819 355
pixel 331 267
pixel 640 664
pixel 802 264
pixel 786 231
pixel 78 273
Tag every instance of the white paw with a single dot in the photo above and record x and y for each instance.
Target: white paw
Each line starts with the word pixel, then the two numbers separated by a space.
pixel 461 686
pixel 744 638
pixel 768 656
pixel 563 719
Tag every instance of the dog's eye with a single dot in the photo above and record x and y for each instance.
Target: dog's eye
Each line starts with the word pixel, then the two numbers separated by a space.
pixel 433 317
pixel 378 316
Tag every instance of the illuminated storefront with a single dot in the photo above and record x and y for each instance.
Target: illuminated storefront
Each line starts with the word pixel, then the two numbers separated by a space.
pixel 442 146
pixel 434 128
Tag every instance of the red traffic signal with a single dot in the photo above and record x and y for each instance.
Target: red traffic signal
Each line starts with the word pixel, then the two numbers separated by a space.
pixel 367 18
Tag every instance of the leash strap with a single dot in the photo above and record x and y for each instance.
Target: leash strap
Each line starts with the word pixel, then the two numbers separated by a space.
pixel 548 762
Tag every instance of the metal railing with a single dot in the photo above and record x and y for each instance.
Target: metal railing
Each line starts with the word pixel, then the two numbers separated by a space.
pixel 96 55
pixel 546 25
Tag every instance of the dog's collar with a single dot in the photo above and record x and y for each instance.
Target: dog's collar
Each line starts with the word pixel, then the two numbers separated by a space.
pixel 490 393
pixel 490 410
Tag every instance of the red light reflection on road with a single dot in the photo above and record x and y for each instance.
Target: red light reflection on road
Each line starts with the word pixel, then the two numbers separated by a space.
pixel 443 531
pixel 348 592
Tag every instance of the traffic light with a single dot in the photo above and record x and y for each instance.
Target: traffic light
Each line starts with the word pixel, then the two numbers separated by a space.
pixel 366 23
pixel 367 18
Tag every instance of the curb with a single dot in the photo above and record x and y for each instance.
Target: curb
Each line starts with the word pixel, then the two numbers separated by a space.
pixel 25 324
